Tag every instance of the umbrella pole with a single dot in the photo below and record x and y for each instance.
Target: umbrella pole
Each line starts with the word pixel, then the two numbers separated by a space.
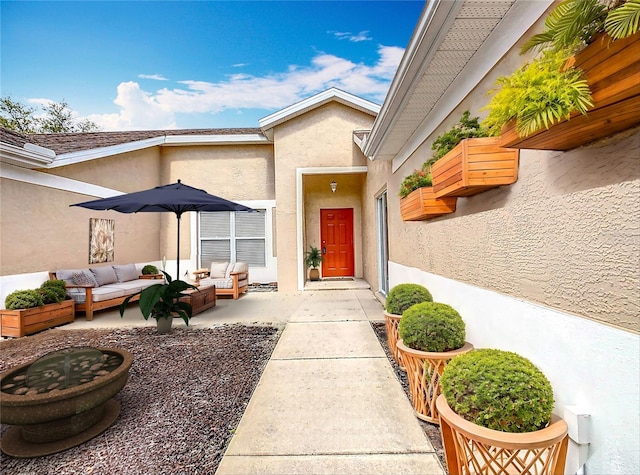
pixel 179 215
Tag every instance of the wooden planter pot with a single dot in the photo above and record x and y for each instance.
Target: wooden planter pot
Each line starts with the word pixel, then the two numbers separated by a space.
pixel 422 204
pixel 18 323
pixel 612 69
pixel 423 372
pixel 472 449
pixel 392 321
pixel 473 166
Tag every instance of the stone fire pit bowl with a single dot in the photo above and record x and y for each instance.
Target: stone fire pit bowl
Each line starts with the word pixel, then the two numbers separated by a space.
pixel 57 419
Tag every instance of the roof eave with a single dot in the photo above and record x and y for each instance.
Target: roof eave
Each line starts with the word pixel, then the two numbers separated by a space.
pixel 29 156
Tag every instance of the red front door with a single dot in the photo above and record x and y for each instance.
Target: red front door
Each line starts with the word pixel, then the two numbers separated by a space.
pixel 336 235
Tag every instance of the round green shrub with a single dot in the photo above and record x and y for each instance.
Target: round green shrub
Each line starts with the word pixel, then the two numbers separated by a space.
pixel 53 291
pixel 432 326
pixel 149 270
pixel 23 299
pixel 403 296
pixel 499 390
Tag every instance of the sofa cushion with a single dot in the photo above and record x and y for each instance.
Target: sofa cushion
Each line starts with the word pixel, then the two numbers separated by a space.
pixel 239 267
pixel 219 283
pixel 99 294
pixel 218 270
pixel 126 272
pixel 67 275
pixel 104 275
pixel 84 277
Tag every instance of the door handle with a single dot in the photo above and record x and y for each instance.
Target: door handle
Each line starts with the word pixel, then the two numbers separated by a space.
pixel 324 249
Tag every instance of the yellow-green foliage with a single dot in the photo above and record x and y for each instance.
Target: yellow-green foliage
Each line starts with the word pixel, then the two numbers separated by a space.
pixel 403 296
pixel 432 326
pixel 499 390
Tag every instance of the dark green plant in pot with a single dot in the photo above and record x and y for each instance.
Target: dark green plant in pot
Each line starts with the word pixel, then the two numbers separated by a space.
pixel 403 296
pixel 53 291
pixel 23 299
pixel 149 270
pixel 432 326
pixel 162 300
pixel 499 390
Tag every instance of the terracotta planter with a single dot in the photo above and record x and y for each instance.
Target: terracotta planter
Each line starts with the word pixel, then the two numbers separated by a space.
pixel 612 69
pixel 423 372
pixel 392 321
pixel 21 322
pixel 473 166
pixel 314 274
pixel 422 204
pixel 472 449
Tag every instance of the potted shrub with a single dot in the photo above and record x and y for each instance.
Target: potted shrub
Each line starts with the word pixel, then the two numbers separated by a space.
pixel 495 411
pixel 564 98
pixel 150 270
pixel 417 199
pixel 466 161
pixel 312 259
pixel 161 301
pixel 431 334
pixel 400 298
pixel 30 311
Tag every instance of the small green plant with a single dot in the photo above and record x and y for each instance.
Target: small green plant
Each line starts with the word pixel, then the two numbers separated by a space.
pixel 403 296
pixel 53 291
pixel 466 128
pixel 313 258
pixel 499 390
pixel 537 95
pixel 23 299
pixel 433 327
pixel 149 270
pixel 418 179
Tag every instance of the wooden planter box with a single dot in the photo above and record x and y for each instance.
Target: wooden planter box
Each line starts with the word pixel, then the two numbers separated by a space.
pixel 470 448
pixel 422 204
pixel 423 373
pixel 18 323
pixel 612 69
pixel 473 166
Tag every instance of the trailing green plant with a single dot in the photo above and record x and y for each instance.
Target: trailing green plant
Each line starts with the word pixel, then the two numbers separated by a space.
pixel 497 389
pixel 432 326
pixel 403 296
pixel 538 95
pixel 53 291
pixel 417 179
pixel 313 257
pixel 465 128
pixel 149 270
pixel 21 299
pixel 573 24
pixel 162 300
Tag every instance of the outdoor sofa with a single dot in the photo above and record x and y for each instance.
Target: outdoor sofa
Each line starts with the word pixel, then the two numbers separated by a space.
pixel 97 288
pixel 230 278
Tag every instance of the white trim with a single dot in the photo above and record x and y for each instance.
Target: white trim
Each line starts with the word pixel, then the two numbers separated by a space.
pixel 29 156
pixel 590 365
pixel 216 139
pixel 33 177
pixel 305 105
pixel 300 172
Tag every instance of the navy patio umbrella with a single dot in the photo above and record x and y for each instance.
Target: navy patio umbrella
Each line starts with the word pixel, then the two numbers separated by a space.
pixel 176 198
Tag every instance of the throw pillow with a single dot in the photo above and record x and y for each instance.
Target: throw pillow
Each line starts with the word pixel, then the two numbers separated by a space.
pixel 104 275
pixel 218 270
pixel 84 278
pixel 126 272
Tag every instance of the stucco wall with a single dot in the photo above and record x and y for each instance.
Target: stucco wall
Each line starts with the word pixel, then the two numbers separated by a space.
pixel 319 138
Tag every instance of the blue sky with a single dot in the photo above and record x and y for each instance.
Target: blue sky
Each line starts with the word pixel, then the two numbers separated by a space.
pixel 151 65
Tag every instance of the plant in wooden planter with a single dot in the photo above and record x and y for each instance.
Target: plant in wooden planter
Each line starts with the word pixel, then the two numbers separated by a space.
pixel 565 99
pixel 400 298
pixel 149 270
pixel 312 259
pixel 431 334
pixel 467 162
pixel 417 199
pixel 495 416
pixel 30 311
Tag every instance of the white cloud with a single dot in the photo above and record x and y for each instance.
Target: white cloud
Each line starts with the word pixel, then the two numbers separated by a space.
pixel 355 38
pixel 155 77
pixel 140 109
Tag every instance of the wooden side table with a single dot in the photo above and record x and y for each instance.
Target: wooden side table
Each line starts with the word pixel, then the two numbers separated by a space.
pixel 152 276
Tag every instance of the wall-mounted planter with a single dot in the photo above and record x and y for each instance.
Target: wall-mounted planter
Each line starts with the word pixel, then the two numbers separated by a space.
pixel 612 69
pixel 422 204
pixel 473 166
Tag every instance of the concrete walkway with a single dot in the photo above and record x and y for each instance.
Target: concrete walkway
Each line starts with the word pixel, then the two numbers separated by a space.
pixel 328 401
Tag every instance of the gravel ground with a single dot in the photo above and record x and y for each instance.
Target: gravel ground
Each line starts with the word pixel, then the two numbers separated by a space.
pixel 432 431
pixel 185 396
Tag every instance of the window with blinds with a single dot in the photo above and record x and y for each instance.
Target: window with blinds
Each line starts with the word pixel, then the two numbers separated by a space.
pixel 233 237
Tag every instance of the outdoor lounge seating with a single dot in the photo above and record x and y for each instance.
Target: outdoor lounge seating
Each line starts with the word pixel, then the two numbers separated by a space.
pixel 102 287
pixel 230 278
